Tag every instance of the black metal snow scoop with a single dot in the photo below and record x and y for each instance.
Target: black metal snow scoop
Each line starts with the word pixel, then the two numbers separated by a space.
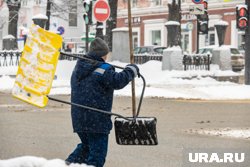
pixel 140 131
pixel 136 130
pixel 128 130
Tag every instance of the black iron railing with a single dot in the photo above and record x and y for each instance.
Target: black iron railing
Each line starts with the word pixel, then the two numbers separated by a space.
pixel 196 61
pixel 9 58
pixel 143 58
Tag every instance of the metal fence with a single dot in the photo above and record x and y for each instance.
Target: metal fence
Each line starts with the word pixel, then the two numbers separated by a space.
pixel 190 62
pixel 138 58
pixel 196 61
pixel 143 58
pixel 9 58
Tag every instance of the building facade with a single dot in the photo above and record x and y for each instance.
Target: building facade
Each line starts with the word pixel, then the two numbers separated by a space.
pixel 149 18
pixel 66 14
pixel 148 21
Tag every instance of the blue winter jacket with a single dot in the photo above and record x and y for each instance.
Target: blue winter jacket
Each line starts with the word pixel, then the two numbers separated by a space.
pixel 93 85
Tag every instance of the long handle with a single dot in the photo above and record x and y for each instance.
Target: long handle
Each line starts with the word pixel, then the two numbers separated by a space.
pixel 131 58
pixel 89 108
pixel 136 114
pixel 103 111
pixel 85 58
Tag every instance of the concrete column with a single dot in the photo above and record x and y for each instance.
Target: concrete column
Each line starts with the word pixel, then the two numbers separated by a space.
pixel 221 27
pixel 120 45
pixel 222 54
pixel 172 56
pixel 40 20
pixel 222 57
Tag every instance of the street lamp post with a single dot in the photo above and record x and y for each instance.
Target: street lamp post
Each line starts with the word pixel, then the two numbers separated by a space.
pixel 247 48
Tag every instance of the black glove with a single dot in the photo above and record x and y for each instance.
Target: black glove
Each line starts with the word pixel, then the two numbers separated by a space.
pixel 135 69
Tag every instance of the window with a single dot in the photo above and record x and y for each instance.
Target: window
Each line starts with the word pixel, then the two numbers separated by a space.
pixel 144 50
pixel 134 3
pixel 185 41
pixel 38 2
pixel 156 37
pixel 156 3
pixel 234 51
pixel 210 38
pixel 73 14
pixel 241 41
pixel 24 2
pixel 135 40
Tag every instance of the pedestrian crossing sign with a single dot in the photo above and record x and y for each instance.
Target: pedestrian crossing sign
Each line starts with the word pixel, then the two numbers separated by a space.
pixel 37 66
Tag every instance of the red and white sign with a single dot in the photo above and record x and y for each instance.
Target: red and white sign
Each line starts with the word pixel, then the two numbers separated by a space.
pixel 197 1
pixel 101 11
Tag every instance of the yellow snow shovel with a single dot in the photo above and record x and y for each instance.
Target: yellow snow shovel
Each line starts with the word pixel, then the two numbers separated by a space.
pixel 37 66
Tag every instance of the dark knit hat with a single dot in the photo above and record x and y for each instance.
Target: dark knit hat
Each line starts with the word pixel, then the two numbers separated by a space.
pixel 99 47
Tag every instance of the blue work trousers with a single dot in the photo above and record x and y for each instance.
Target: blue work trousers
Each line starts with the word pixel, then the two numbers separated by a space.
pixel 92 150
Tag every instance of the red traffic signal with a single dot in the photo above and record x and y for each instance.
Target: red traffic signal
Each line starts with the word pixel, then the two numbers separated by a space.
pixel 242 17
pixel 205 5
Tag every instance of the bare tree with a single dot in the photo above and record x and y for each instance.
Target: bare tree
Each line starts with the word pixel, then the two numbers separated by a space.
pixel 48 13
pixel 175 15
pixel 61 9
pixel 111 22
pixel 14 6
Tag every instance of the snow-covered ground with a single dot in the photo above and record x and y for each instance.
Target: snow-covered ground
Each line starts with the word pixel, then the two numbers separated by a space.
pixel 193 84
pixel 32 161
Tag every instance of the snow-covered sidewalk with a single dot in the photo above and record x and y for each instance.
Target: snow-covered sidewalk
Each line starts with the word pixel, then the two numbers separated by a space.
pixel 167 84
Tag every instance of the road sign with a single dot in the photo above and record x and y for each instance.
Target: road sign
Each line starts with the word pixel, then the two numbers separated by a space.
pixel 197 1
pixel 197 9
pixel 61 30
pixel 101 11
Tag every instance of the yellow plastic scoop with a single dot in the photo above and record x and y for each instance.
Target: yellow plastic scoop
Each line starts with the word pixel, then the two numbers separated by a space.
pixel 37 66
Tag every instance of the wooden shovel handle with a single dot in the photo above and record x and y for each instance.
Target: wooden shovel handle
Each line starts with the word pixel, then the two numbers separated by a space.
pixel 131 58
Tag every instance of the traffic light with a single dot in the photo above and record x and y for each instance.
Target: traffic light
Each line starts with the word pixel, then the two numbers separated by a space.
pixel 203 23
pixel 205 5
pixel 87 16
pixel 203 20
pixel 241 17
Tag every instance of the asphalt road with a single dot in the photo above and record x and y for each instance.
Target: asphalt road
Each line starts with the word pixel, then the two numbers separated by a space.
pixel 47 132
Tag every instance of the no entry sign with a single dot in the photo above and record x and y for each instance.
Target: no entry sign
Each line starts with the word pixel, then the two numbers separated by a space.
pixel 197 1
pixel 101 11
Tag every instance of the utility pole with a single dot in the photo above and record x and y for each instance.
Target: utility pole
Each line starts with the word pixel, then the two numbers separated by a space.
pixel 202 24
pixel 48 13
pixel 197 35
pixel 247 48
pixel 131 58
pixel 87 16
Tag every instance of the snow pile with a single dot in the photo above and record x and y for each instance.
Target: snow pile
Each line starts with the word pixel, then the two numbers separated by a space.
pixel 221 23
pixel 31 161
pixel 243 133
pixel 176 23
